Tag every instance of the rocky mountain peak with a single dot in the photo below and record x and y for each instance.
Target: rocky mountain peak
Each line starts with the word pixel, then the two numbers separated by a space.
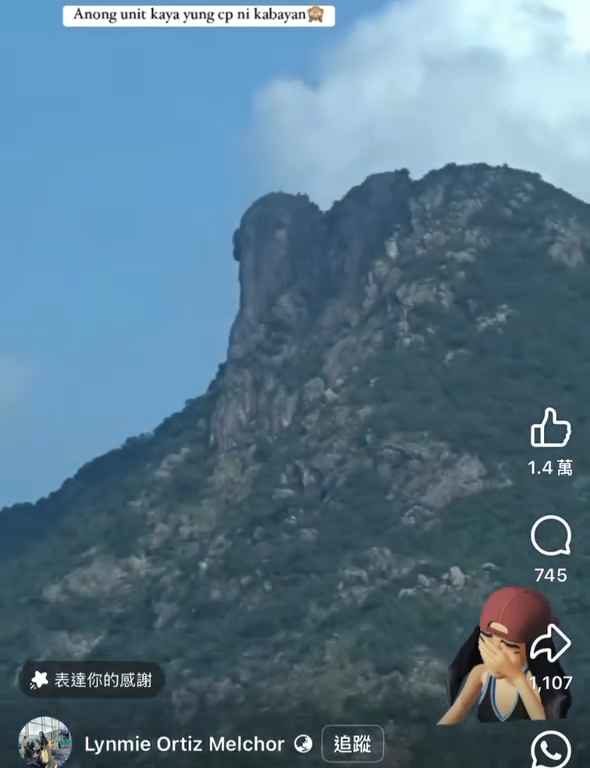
pixel 278 247
pixel 290 252
pixel 347 281
pixel 286 245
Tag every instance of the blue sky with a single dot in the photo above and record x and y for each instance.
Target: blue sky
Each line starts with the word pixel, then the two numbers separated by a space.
pixel 125 171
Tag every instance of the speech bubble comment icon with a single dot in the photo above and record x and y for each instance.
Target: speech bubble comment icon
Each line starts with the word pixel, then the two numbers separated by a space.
pixel 553 520
pixel 550 749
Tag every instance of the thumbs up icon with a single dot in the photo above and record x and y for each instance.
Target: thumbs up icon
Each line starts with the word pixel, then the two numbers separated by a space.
pixel 539 438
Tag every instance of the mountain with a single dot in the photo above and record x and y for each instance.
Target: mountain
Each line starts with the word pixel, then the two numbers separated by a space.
pixel 311 540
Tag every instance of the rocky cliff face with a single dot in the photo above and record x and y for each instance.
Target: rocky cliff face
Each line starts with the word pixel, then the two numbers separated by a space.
pixel 313 537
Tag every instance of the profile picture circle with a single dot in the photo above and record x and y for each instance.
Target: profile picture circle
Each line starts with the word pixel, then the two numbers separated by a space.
pixel 45 742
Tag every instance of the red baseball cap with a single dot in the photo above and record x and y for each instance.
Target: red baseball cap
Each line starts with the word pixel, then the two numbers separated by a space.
pixel 524 612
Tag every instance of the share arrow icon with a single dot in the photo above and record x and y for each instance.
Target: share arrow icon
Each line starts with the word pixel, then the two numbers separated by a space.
pixel 553 633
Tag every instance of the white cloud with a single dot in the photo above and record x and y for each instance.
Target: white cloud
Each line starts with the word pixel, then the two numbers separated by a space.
pixel 428 82
pixel 15 380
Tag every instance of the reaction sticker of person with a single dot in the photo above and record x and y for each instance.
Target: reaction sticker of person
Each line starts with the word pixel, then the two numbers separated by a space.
pixel 316 13
pixel 494 671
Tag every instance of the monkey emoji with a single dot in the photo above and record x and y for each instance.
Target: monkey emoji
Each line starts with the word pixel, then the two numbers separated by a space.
pixel 315 13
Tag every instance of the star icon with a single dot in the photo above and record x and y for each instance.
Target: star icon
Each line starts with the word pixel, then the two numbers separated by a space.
pixel 38 680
